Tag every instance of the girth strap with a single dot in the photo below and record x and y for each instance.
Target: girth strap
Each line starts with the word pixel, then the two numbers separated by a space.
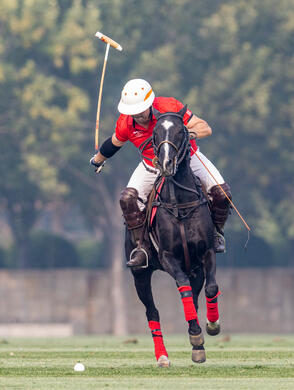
pixel 185 247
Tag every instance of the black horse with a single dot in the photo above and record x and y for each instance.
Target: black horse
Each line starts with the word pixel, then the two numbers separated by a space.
pixel 181 234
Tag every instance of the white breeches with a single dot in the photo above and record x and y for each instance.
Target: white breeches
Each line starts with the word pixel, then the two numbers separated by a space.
pixel 143 180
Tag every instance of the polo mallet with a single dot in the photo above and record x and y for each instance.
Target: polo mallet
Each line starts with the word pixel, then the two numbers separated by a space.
pixel 109 42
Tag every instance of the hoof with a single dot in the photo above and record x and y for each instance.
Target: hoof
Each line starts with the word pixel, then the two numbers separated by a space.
pixel 163 361
pixel 196 340
pixel 198 355
pixel 212 328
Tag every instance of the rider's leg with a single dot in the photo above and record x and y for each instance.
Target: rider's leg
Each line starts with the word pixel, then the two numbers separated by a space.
pixel 142 180
pixel 135 219
pixel 220 209
pixel 132 202
pixel 219 203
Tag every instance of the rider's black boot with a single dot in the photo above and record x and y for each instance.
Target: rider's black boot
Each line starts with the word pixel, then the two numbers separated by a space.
pixel 135 219
pixel 220 209
pixel 139 258
pixel 219 242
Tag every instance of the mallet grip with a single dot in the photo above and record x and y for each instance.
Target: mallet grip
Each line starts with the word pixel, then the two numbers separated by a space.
pixel 106 39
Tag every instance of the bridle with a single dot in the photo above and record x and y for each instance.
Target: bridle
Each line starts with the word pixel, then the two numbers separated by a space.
pixel 180 151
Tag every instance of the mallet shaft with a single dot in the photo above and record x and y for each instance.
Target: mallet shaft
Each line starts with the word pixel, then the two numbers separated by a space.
pixel 100 97
pixel 109 42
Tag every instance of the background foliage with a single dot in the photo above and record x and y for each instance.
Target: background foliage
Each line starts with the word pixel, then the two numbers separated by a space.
pixel 231 61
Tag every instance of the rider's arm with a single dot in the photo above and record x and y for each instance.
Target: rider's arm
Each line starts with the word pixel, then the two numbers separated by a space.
pixel 198 127
pixel 108 149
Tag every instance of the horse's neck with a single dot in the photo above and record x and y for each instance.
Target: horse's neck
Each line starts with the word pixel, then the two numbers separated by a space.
pixel 184 173
pixel 185 177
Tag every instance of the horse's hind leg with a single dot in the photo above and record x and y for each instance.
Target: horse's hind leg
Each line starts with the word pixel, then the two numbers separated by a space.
pixel 211 293
pixel 142 279
pixel 172 266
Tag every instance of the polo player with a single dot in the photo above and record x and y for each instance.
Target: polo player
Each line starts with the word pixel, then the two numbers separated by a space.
pixel 135 124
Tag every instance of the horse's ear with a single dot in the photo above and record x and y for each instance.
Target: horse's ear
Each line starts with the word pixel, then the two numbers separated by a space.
pixel 156 113
pixel 182 112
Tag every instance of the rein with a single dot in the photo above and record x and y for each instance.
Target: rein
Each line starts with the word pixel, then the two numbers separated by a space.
pixel 141 149
pixel 173 207
pixel 184 187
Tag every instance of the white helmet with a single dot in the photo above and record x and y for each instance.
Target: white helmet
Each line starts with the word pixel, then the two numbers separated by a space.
pixel 136 97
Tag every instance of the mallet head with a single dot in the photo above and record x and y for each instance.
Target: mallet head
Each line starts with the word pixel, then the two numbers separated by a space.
pixel 106 39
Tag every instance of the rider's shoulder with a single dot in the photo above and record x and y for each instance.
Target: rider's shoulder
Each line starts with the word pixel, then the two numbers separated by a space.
pixel 167 104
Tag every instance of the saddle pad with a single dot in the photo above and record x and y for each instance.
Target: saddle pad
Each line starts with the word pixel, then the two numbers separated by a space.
pixel 154 208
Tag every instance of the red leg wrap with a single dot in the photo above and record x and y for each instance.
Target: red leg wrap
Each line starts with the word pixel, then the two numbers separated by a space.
pixel 187 299
pixel 159 347
pixel 212 308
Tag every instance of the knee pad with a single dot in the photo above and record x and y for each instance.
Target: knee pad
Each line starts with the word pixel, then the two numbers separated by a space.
pixel 128 199
pixel 128 202
pixel 219 199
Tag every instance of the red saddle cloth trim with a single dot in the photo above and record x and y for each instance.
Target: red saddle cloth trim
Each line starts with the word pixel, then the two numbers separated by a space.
pixel 154 208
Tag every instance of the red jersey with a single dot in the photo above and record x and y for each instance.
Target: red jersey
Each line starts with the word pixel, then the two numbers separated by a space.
pixel 129 130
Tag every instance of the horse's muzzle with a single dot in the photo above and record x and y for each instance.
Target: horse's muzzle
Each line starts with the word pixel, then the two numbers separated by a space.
pixel 168 167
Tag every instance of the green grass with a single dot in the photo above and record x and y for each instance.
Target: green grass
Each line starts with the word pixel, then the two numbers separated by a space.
pixel 241 362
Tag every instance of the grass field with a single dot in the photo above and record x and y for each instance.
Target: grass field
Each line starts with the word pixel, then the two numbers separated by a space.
pixel 236 362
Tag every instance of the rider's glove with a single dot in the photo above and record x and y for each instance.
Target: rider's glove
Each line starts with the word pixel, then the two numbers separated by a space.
pixel 98 166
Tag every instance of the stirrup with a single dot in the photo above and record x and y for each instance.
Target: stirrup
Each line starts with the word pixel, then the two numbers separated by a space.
pixel 146 255
pixel 219 242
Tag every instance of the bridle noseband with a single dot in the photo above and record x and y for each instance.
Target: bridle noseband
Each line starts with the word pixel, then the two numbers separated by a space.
pixel 166 142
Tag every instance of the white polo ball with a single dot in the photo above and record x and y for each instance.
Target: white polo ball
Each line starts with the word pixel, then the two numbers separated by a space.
pixel 79 367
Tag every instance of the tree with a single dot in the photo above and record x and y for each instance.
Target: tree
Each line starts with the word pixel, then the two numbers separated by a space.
pixel 41 109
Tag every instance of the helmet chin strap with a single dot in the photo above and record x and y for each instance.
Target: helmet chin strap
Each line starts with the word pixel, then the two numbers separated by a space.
pixel 150 112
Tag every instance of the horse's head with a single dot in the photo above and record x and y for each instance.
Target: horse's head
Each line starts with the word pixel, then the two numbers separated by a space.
pixel 170 141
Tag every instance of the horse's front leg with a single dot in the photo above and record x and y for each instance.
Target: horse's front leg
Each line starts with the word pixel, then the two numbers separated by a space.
pixel 173 267
pixel 197 282
pixel 211 293
pixel 142 279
